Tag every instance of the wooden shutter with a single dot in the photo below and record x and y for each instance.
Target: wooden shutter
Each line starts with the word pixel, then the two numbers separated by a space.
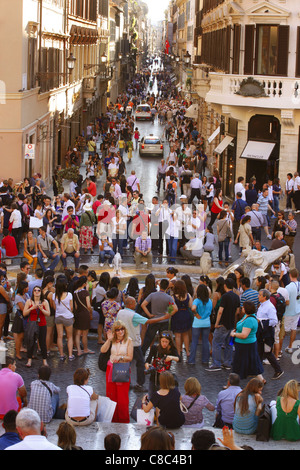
pixel 249 49
pixel 236 48
pixel 283 50
pixel 297 74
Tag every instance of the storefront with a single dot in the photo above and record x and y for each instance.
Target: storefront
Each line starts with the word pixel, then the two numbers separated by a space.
pixel 262 149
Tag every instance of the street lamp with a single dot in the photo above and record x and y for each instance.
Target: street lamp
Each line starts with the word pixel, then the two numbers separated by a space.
pixel 71 62
pixel 104 58
pixel 177 58
pixel 120 56
pixel 187 58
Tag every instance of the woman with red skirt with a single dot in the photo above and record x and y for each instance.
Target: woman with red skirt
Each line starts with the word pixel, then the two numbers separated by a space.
pixel 121 351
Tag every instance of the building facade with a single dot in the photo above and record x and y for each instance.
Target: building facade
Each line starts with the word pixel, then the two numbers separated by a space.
pixel 61 64
pixel 246 74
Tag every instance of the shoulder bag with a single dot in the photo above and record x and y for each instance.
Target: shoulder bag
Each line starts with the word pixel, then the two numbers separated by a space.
pixel 121 372
pixel 103 359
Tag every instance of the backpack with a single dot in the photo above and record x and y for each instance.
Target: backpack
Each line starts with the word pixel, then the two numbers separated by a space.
pixel 171 190
pixel 280 305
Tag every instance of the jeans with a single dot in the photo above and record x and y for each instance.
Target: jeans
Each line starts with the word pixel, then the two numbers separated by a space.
pixel 276 204
pixel 152 329
pixel 221 338
pixel 161 178
pixel 138 357
pixel 205 344
pixel 50 255
pixel 224 244
pixel 118 243
pixel 76 259
pixel 172 242
pixel 106 254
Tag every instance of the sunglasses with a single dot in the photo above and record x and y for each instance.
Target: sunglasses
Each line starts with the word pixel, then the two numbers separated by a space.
pixel 36 290
pixel 165 335
pixel 119 329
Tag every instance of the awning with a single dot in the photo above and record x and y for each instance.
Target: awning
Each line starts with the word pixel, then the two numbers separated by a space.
pixel 192 111
pixel 214 135
pixel 255 150
pixel 224 144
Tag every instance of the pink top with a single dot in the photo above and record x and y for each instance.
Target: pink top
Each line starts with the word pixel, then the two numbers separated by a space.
pixel 10 382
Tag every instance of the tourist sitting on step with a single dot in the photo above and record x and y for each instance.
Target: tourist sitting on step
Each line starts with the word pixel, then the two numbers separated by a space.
pixel 143 252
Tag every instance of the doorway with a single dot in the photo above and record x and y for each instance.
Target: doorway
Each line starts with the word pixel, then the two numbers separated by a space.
pixel 264 128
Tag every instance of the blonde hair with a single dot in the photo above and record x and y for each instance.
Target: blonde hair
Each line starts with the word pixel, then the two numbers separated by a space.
pixel 192 386
pixel 290 390
pixel 119 324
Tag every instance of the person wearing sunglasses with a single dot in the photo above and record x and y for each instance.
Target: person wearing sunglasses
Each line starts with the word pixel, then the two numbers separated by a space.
pixel 121 351
pixel 37 309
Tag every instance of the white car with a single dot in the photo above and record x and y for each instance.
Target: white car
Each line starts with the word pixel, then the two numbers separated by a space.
pixel 151 145
pixel 143 112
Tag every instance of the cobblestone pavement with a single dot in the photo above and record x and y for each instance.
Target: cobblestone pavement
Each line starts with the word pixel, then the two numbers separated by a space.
pixel 212 382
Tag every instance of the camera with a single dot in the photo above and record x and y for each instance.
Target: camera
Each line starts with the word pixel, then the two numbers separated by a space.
pixel 159 366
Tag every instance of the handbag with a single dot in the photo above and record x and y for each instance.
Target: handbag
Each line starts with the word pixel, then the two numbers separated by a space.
pixel 137 406
pixel 121 372
pixel 103 360
pixel 264 425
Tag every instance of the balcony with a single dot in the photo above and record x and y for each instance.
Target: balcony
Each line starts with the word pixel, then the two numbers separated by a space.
pixel 263 91
pixel 88 87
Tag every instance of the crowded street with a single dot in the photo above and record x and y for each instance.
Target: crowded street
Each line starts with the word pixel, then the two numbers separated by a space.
pixel 149 247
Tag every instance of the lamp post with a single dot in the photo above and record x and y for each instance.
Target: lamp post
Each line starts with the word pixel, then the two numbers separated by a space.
pixel 71 62
pixel 103 58
pixel 187 58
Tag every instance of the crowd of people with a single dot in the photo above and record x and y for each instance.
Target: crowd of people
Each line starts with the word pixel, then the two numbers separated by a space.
pixel 242 323
pixel 157 327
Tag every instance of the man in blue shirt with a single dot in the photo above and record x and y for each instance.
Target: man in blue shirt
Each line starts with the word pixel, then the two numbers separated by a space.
pixel 248 295
pixel 11 436
pixel 225 402
pixel 238 208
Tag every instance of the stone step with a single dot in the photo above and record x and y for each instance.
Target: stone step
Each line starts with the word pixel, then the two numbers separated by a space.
pixel 92 437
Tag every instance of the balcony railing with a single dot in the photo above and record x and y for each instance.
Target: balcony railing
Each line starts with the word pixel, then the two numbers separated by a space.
pixel 275 91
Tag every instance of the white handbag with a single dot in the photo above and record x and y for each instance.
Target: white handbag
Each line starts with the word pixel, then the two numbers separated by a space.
pixel 146 419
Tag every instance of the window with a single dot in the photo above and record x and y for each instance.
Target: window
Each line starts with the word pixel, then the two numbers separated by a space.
pixel 103 8
pixel 270 55
pixel 267 50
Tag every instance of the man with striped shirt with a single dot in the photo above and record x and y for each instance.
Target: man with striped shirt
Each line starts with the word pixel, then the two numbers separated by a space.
pixel 264 206
pixel 249 295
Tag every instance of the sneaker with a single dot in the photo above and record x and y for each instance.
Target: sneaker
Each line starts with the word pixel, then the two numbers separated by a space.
pixel 72 358
pixel 269 237
pixel 277 375
pixel 266 362
pixel 110 265
pixel 101 264
pixel 289 350
pixel 213 368
pixel 226 367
